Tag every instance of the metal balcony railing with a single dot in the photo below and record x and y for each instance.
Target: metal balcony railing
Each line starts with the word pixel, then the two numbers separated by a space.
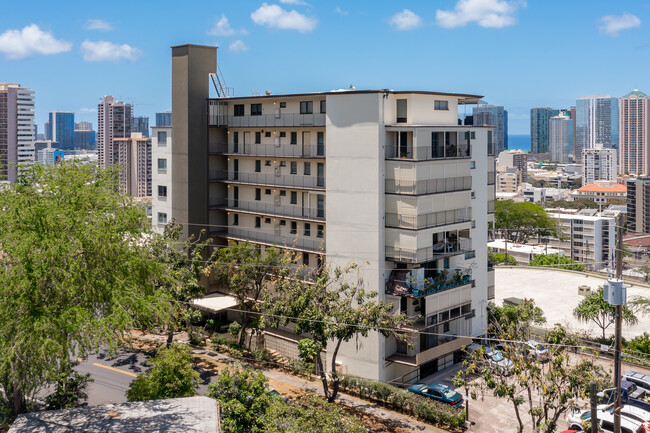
pixel 434 252
pixel 432 219
pixel 288 180
pixel 265 120
pixel 315 245
pixel 421 153
pixel 428 186
pixel 284 150
pixel 272 209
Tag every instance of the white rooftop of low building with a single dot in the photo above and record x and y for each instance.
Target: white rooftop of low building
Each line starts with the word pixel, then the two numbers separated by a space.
pixel 577 216
pixel 522 248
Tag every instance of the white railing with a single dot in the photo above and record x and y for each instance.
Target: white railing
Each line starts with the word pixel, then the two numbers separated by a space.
pixel 288 241
pixel 271 208
pixel 428 186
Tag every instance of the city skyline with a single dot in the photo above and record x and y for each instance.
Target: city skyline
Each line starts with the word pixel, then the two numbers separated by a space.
pixel 97 50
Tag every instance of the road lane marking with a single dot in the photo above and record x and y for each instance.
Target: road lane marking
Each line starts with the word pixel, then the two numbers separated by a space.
pixel 128 373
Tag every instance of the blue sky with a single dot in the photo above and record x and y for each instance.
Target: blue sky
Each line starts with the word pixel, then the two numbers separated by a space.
pixel 518 54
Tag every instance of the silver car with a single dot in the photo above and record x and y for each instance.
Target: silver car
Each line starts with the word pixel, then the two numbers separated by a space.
pixel 537 350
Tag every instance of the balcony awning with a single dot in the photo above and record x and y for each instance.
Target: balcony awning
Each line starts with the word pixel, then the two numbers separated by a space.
pixel 215 302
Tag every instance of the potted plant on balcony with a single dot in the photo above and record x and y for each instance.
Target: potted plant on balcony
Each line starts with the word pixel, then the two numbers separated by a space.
pixel 458 277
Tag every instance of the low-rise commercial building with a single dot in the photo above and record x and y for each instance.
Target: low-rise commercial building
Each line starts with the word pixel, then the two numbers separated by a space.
pixel 600 192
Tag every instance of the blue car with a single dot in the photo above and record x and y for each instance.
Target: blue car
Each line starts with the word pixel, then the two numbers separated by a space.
pixel 438 391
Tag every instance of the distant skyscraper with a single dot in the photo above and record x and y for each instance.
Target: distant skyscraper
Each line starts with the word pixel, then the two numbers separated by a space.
pixel 539 118
pixel 16 129
pixel 598 164
pixel 497 116
pixel 113 121
pixel 46 128
pixel 83 126
pixel 164 118
pixel 140 124
pixel 560 138
pixel 634 128
pixel 596 122
pixel 61 129
pixel 134 156
pixel 572 116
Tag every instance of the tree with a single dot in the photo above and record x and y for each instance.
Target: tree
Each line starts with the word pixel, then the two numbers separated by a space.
pixel 70 389
pixel 518 222
pixel 171 375
pixel 499 258
pixel 77 273
pixel 335 308
pixel 551 260
pixel 645 271
pixel 593 308
pixel 248 275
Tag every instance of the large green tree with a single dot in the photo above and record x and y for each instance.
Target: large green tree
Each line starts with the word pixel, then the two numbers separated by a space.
pixel 518 222
pixel 593 308
pixel 77 273
pixel 551 261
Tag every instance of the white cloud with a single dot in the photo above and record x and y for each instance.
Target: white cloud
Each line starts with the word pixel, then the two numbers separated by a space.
pixel 340 11
pixel 274 16
pixel 16 44
pixel 238 46
pixel 613 24
pixel 96 24
pixel 87 110
pixel 406 20
pixel 108 51
pixel 486 13
pixel 222 28
pixel 294 2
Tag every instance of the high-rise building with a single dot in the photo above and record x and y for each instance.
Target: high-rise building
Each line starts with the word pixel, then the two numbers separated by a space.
pixel 497 116
pixel 332 176
pixel 84 136
pixel 83 126
pixel 46 128
pixel 514 158
pixel 61 129
pixel 113 121
pixel 638 202
pixel 134 157
pixel 164 118
pixel 16 129
pixel 572 116
pixel 560 138
pixel 634 129
pixel 598 164
pixel 596 123
pixel 140 124
pixel 161 204
pixel 539 118
pixel 49 156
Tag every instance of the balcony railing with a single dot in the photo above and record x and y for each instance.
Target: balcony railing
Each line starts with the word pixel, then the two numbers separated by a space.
pixel 272 209
pixel 271 238
pixel 288 180
pixel 401 285
pixel 421 153
pixel 428 186
pixel 265 120
pixel 270 150
pixel 422 255
pixel 428 220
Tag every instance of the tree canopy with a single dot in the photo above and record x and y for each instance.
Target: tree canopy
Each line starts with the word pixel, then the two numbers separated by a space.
pixel 551 260
pixel 518 222
pixel 593 308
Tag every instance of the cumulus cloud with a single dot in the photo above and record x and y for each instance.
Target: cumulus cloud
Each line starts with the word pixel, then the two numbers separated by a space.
pixel 486 13
pixel 16 44
pixel 107 51
pixel 273 16
pixel 294 2
pixel 340 11
pixel 238 46
pixel 96 24
pixel 613 24
pixel 222 28
pixel 405 20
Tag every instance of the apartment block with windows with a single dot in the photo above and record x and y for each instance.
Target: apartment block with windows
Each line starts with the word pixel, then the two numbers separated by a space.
pixel 161 176
pixel 386 179
pixel 133 155
pixel 17 129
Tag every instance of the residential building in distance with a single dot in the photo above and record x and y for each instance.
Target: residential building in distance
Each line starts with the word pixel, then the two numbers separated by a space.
pixel 83 126
pixel 46 128
pixel 598 164
pixel 140 124
pixel 84 136
pixel 61 129
pixel 634 129
pixel 572 116
pixel 601 192
pixel 113 121
pixel 539 120
pixel 638 201
pixel 134 156
pixel 523 253
pixel 309 171
pixel 513 158
pixel 596 123
pixel 44 144
pixel 497 116
pixel 509 180
pixel 164 118
pixel 16 129
pixel 161 176
pixel 560 138
pixel 49 156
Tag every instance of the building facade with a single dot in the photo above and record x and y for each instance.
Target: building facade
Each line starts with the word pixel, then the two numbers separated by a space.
pixel 140 124
pixel 539 120
pixel 134 157
pixel 113 121
pixel 497 116
pixel 164 118
pixel 49 156
pixel 61 129
pixel 596 123
pixel 161 176
pixel 84 136
pixel 509 181
pixel 638 205
pixel 560 139
pixel 309 172
pixel 634 130
pixel 17 129
pixel 600 192
pixel 599 164
pixel 514 159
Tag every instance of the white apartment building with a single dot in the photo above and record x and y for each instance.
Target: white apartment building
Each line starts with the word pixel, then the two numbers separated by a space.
pixel 386 179
pixel 560 138
pixel 509 181
pixel 161 176
pixel 17 129
pixel 133 155
pixel 599 164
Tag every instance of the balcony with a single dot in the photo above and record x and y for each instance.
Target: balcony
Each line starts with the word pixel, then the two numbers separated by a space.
pixel 428 186
pixel 270 209
pixel 274 238
pixel 270 150
pixel 288 180
pixel 445 346
pixel 279 120
pixel 424 153
pixel 434 219
pixel 448 247
pixel 401 283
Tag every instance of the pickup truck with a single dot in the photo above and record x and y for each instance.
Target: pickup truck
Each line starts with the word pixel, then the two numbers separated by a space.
pixel 630 394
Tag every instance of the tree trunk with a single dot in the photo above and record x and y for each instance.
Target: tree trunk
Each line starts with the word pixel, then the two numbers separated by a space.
pixel 18 399
pixel 521 424
pixel 335 375
pixel 170 335
pixel 323 376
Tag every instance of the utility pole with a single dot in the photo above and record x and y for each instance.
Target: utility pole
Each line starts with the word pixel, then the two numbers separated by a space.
pixel 619 314
pixel 594 407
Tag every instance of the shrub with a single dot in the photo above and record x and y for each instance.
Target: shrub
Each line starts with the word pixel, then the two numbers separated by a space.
pixel 195 335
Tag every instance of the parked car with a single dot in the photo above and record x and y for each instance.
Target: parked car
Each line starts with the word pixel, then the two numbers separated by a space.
pixel 632 419
pixel 493 357
pixel 537 350
pixel 639 379
pixel 438 391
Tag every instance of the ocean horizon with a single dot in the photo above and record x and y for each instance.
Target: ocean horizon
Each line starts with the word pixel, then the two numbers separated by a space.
pixel 519 141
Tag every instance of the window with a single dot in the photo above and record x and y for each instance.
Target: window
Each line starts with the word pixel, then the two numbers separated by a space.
pixel 283 163
pixel 294 227
pixel 162 164
pixel 320 180
pixel 267 191
pixel 441 105
pixel 267 134
pixel 162 191
pixel 401 111
pixel 283 222
pixel 451 144
pixel 306 107
pixel 294 197
pixel 162 218
pixel 258 166
pixel 472 164
pixel 258 194
pixel 490 143
pixel 256 109
pixel 294 137
pixel 235 142
pixel 320 146
pixel 267 220
pixel 437 145
pixel 283 105
pixel 294 167
pixel 323 106
pixel 283 134
pixel 258 222
pixel 239 110
pixel 307 169
pixel 162 137
pixel 307 229
pixel 319 230
pixel 235 219
pixel 320 208
pixel 283 193
pixel 305 259
pixel 258 137
pixel 267 163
